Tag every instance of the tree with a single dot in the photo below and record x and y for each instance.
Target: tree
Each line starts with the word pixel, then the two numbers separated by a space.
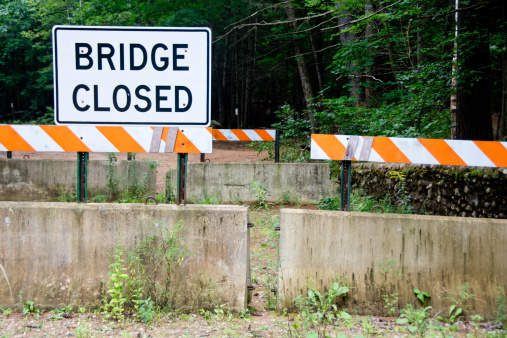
pixel 473 88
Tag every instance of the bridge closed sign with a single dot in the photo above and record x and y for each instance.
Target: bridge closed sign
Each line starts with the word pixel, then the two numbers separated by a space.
pixel 150 76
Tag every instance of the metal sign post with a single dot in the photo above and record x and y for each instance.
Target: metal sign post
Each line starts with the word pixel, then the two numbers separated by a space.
pixel 346 175
pixel 82 177
pixel 181 194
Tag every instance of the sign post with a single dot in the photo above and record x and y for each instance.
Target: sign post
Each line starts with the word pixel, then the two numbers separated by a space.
pixel 133 76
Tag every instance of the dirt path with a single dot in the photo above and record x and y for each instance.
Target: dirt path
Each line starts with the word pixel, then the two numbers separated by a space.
pixel 223 152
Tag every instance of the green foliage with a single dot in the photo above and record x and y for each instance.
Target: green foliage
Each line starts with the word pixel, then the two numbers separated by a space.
pixel 422 296
pixel 501 307
pixel 261 192
pixel 117 288
pixel 112 179
pixel 135 281
pixel 317 310
pixel 360 202
pixel 161 250
pixel 459 301
pixel 416 318
pixel 29 307
pixel 146 311
pixel 402 193
pixel 329 203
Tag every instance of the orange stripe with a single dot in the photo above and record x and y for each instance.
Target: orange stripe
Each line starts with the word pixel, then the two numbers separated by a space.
pixel 65 138
pixel 240 134
pixel 495 151
pixel 210 130
pixel 388 150
pixel 441 151
pixel 11 140
pixel 217 134
pixel 165 132
pixel 121 140
pixel 333 148
pixel 264 135
pixel 184 145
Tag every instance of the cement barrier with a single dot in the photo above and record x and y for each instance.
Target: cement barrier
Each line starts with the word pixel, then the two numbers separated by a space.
pixel 434 254
pixel 46 180
pixel 232 182
pixel 56 254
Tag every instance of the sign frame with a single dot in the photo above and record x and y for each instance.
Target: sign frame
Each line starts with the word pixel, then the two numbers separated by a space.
pixel 199 117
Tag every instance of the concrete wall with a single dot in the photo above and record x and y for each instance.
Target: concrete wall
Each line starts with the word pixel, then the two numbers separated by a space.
pixel 45 180
pixel 232 182
pixel 434 254
pixel 56 253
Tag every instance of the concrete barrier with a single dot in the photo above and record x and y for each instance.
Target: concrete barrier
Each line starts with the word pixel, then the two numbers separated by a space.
pixel 56 254
pixel 46 180
pixel 434 254
pixel 232 182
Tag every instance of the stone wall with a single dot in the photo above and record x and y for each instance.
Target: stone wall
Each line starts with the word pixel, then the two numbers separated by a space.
pixel 439 190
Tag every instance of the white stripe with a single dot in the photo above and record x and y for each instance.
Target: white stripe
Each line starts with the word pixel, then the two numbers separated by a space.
pixel 229 135
pixel 2 148
pixel 414 150
pixel 142 135
pixel 316 152
pixel 252 135
pixel 201 139
pixel 37 138
pixel 272 133
pixel 93 139
pixel 470 153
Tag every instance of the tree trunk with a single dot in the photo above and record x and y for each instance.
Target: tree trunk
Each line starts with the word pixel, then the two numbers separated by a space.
pixel 368 92
pixel 347 37
pixel 501 133
pixel 473 90
pixel 316 41
pixel 303 70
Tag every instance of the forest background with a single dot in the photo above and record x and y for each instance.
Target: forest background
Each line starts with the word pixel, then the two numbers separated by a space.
pixel 408 68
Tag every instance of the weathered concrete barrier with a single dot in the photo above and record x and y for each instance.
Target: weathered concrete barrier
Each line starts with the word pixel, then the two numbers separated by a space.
pixel 434 254
pixel 56 254
pixel 232 182
pixel 46 180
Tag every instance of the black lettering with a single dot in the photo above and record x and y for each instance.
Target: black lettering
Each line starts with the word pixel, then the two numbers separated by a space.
pixel 96 100
pixel 74 97
pixel 108 56
pixel 177 90
pixel 115 98
pixel 159 98
pixel 144 98
pixel 165 60
pixel 177 57
pixel 122 57
pixel 81 54
pixel 145 56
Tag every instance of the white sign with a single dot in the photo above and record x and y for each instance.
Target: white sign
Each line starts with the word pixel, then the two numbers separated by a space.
pixel 132 76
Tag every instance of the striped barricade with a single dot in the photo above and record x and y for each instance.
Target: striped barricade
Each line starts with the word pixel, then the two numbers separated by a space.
pixel 105 139
pixel 244 135
pixel 249 135
pixel 349 148
pixel 409 150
